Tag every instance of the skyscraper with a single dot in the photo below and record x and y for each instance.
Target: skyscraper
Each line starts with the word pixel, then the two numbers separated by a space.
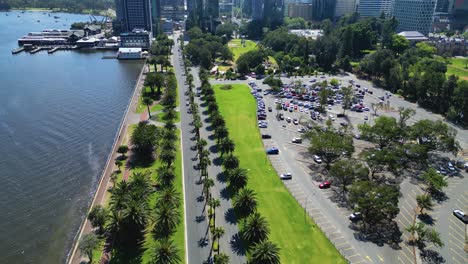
pixel 323 9
pixel 257 9
pixel 345 7
pixel 414 15
pixel 374 8
pixel 134 14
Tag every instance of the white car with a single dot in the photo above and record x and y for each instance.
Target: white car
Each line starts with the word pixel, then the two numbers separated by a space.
pixel 187 103
pixel 329 107
pixel 306 111
pixel 286 176
pixel 317 159
pixel 366 118
pixel 332 118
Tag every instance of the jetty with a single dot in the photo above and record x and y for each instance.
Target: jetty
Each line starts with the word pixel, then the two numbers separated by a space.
pixel 37 50
pixel 18 50
pixel 52 50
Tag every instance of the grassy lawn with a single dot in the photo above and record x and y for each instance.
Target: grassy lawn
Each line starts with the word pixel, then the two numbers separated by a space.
pixel 238 49
pixel 300 240
pixel 458 68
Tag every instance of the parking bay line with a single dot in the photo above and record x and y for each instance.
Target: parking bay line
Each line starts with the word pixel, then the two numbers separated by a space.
pixel 458 254
pixel 454 259
pixel 457 240
pixel 406 256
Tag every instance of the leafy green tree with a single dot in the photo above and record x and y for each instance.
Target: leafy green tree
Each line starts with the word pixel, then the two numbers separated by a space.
pixel 144 139
pixel 348 94
pixel 226 54
pixel 422 235
pixel 165 175
pixel 119 163
pixel 88 244
pixel 399 44
pixel 346 171
pixel 98 216
pixel 167 156
pixel 227 145
pixel 434 181
pixel 265 252
pixel 256 228
pixel 424 202
pixel 329 145
pixel 159 81
pixel 376 203
pixel 436 135
pixel 384 131
pixel 165 252
pixel 123 149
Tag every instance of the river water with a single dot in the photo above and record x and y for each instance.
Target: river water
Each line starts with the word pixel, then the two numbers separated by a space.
pixel 59 114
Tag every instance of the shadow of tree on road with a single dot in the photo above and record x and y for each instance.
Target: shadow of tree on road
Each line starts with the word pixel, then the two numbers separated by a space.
pixel 236 245
pixel 426 219
pixel 213 149
pixel 230 216
pixel 221 178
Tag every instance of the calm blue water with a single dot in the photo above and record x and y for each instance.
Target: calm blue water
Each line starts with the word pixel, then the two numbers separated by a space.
pixel 58 116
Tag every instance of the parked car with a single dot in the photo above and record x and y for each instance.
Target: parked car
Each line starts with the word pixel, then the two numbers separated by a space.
pixel 461 215
pixel 272 151
pixel 332 118
pixel 288 119
pixel 270 109
pixel 266 136
pixel 317 159
pixel 324 185
pixel 286 176
pixel 281 116
pixel 354 217
pixel 295 121
pixel 297 140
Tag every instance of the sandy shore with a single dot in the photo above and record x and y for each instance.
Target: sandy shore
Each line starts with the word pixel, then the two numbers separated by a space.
pixel 131 117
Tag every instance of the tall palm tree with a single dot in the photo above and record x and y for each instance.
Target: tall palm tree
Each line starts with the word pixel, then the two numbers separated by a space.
pixel 136 215
pixel 212 107
pixel 115 224
pixel 140 185
pixel 256 228
pixel 217 233
pixel 169 195
pixel 197 124
pixel 167 156
pixel 221 258
pixel 424 202
pixel 237 178
pixel 218 121
pixel 207 184
pixel 166 219
pixel 214 203
pixel 148 102
pixel 201 144
pixel 230 162
pixel 226 145
pixel 165 175
pixel 165 252
pixel 265 253
pixel 205 161
pixel 119 195
pixel 245 202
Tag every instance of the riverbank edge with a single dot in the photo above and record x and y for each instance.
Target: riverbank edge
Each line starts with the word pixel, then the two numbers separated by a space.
pixel 52 10
pixel 104 178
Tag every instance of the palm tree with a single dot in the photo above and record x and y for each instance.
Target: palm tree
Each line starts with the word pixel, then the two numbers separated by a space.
pixel 245 202
pixel 167 156
pixel 220 133
pixel 256 228
pixel 265 253
pixel 201 143
pixel 148 102
pixel 207 184
pixel 424 202
pixel 119 195
pixel 197 124
pixel 165 252
pixel 140 185
pixel 119 163
pixel 165 220
pixel 214 203
pixel 230 162
pixel 415 230
pixel 165 175
pixel 221 258
pixel 227 146
pixel 237 178
pixel 135 215
pixel 169 195
pixel 98 217
pixel 217 233
pixel 218 121
pixel 205 161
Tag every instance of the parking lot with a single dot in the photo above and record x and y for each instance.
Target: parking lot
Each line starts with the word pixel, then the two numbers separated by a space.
pixel 318 203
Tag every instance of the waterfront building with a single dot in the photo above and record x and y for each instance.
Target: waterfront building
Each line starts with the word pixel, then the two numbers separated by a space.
pixel 49 37
pixel 374 8
pixel 137 38
pixel 345 7
pixel 414 15
pixel 92 29
pixel 130 54
pixel 134 14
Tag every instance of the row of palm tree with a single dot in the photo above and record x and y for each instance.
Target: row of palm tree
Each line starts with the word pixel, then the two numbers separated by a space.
pixel 255 229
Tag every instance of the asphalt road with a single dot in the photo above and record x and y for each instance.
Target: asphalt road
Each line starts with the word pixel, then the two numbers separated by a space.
pixel 196 222
pixel 225 216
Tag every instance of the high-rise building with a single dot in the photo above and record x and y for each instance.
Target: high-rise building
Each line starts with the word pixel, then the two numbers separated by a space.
pixel 414 15
pixel 172 9
pixel 212 9
pixel 288 3
pixel 345 7
pixel 257 9
pixel 323 9
pixel 134 14
pixel 374 8
pixel 300 10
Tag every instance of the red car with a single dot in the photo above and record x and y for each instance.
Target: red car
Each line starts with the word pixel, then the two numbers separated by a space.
pixel 295 107
pixel 324 185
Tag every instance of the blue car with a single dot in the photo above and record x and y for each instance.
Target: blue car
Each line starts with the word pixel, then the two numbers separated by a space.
pixel 272 151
